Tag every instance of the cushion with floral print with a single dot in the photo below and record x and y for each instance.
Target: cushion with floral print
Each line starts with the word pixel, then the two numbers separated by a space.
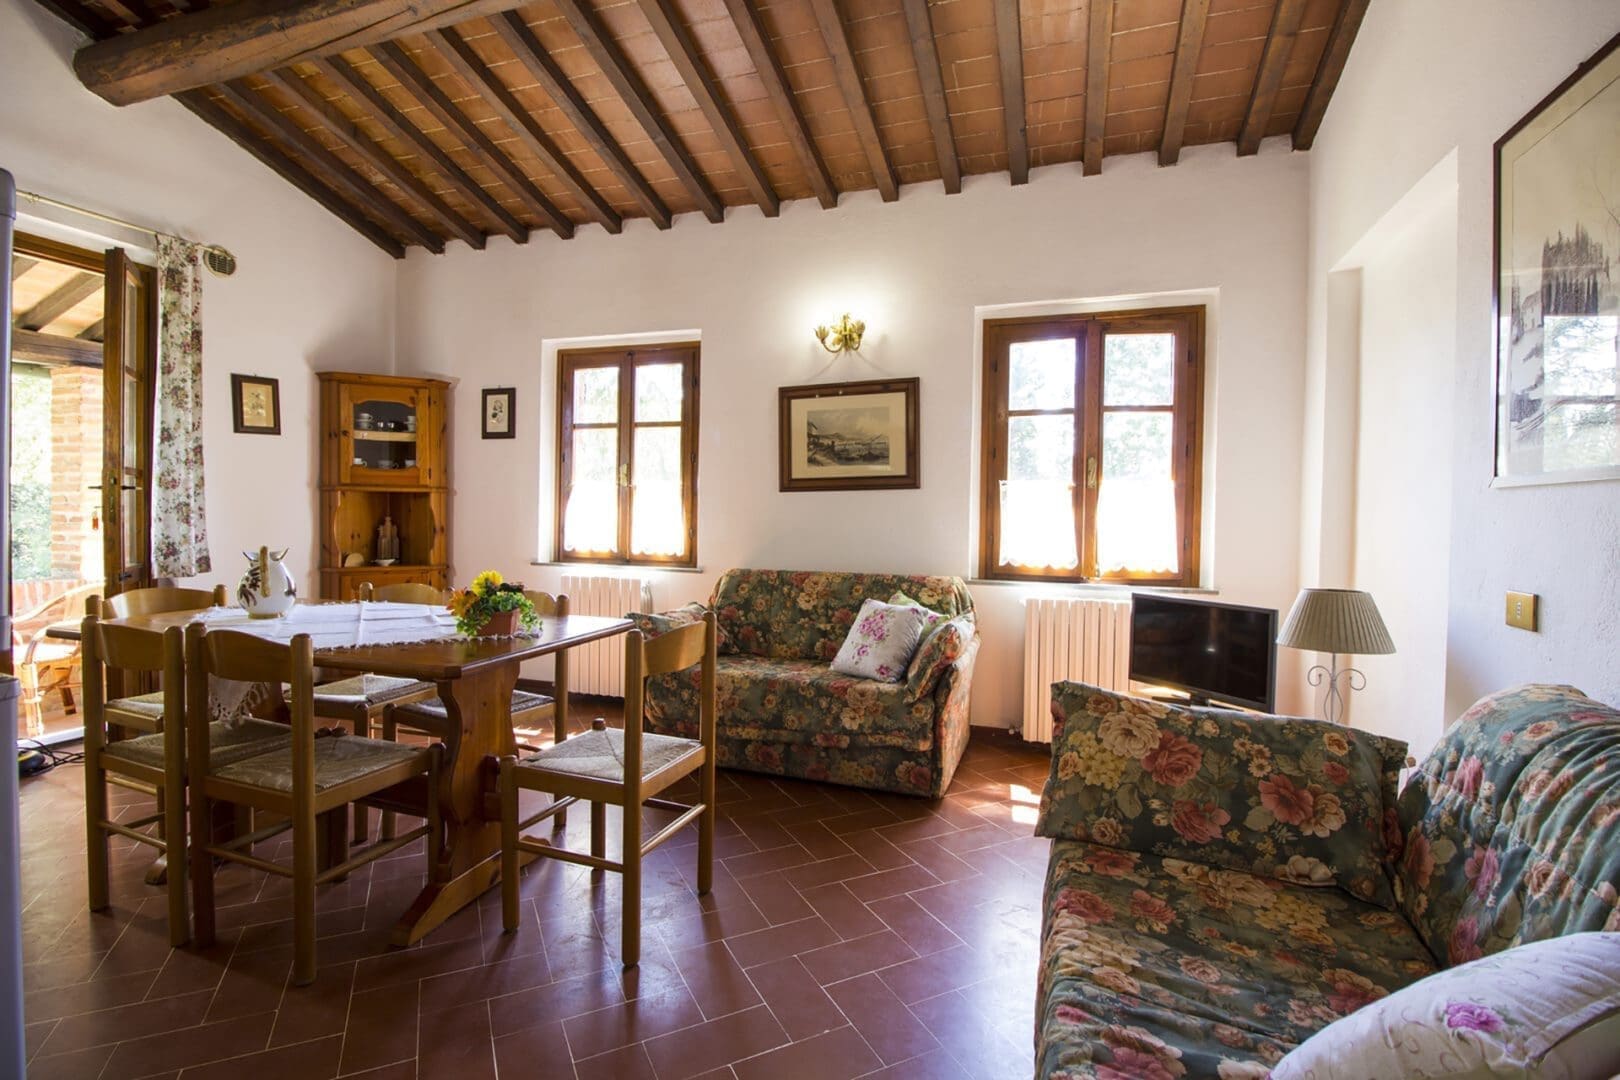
pixel 881 642
pixel 1512 828
pixel 1303 801
pixel 1547 1009
pixel 655 623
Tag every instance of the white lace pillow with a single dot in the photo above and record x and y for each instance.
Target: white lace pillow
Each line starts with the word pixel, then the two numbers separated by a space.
pixel 1547 1009
pixel 881 643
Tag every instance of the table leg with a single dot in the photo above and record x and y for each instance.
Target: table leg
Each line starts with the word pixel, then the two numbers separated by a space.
pixel 479 708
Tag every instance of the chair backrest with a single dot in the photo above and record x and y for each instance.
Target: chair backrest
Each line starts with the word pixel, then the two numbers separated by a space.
pixel 677 650
pixel 546 604
pixel 402 592
pixel 125 649
pixel 156 601
pixel 239 657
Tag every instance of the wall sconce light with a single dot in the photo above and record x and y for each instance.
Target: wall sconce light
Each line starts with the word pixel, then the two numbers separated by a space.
pixel 843 336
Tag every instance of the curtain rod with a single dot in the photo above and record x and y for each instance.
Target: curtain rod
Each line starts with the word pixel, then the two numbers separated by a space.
pixel 214 250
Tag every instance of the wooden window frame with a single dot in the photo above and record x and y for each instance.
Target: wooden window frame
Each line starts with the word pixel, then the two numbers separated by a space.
pixel 1187 455
pixel 627 359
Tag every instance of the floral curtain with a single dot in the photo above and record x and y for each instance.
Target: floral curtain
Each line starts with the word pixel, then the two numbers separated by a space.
pixel 179 527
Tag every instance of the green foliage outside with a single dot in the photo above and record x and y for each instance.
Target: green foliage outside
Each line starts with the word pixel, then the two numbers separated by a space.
pixel 30 473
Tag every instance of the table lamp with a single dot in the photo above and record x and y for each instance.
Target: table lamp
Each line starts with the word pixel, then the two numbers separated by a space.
pixel 1336 621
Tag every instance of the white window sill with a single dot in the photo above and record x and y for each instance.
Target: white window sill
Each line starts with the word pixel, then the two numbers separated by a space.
pixel 1106 588
pixel 619 569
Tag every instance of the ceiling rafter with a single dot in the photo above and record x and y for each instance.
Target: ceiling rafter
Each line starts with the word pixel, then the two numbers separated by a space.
pixel 780 91
pixel 1189 43
pixel 289 170
pixel 393 121
pixel 1015 118
pixel 20 265
pixel 1268 80
pixel 1099 44
pixel 512 30
pixel 850 84
pixel 678 45
pixel 350 135
pixel 228 41
pixel 326 165
pixel 95 331
pixel 639 100
pixel 416 82
pixel 54 350
pixel 924 50
pixel 1343 35
pixel 466 62
pixel 58 302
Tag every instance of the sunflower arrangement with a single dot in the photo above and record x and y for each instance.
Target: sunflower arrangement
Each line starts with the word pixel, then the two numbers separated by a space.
pixel 487 597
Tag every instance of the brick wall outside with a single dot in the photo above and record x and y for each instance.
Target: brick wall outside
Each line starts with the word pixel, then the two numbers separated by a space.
pixel 75 465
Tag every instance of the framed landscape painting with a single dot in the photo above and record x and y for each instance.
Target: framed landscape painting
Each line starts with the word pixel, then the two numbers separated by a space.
pixel 1557 288
pixel 850 436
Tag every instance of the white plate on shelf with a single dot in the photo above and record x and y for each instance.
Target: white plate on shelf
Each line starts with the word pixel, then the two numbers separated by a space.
pixel 386 562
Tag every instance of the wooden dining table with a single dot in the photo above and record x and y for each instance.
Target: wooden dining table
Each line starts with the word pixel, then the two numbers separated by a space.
pixel 475 678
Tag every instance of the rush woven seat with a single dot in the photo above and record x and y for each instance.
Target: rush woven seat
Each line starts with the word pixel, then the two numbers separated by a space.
pixel 226 743
pixel 431 715
pixel 143 712
pixel 338 760
pixel 599 755
pixel 359 697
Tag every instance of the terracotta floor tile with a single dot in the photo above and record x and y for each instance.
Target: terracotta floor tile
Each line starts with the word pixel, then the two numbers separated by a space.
pixel 834 1055
pixel 719 1042
pixel 795 998
pixel 832 882
pixel 886 1024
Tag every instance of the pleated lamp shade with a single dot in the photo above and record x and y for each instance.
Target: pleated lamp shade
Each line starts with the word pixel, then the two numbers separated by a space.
pixel 1336 621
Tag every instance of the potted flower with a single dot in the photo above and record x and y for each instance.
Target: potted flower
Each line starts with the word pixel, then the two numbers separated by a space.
pixel 491 607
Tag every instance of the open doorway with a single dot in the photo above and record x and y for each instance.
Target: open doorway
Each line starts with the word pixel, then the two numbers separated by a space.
pixel 58 327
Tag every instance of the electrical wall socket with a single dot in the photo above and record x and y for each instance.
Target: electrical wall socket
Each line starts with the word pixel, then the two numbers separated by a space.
pixel 1521 610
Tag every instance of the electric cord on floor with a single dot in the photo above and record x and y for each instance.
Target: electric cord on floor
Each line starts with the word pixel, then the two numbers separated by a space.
pixel 35 758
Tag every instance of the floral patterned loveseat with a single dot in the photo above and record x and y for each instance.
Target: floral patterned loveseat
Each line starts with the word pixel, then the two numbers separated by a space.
pixel 784 711
pixel 1157 963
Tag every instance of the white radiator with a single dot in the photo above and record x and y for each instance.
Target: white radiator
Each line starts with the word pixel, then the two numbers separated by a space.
pixel 1087 640
pixel 598 668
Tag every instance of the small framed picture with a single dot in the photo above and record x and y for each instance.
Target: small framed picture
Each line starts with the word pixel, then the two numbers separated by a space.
pixel 255 405
pixel 498 406
pixel 854 436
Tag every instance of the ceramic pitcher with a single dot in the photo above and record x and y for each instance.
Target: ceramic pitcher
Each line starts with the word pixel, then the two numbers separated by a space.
pixel 267 589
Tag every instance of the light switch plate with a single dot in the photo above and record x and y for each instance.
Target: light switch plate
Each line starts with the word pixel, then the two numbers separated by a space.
pixel 1521 610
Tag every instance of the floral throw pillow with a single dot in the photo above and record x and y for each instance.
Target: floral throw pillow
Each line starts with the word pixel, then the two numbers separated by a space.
pixel 1301 801
pixel 1547 1009
pixel 654 623
pixel 881 643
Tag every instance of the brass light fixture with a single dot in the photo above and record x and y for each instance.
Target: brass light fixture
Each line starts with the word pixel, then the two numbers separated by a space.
pixel 843 336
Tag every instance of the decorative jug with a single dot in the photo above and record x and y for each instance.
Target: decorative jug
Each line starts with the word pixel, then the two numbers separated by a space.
pixel 267 589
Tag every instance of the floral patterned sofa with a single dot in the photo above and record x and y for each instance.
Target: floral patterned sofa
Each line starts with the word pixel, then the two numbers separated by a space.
pixel 1158 965
pixel 784 711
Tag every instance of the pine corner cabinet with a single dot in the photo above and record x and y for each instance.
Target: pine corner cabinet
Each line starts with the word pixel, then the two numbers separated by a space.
pixel 383 456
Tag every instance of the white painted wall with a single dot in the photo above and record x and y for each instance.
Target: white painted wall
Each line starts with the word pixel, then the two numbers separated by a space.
pixel 310 293
pixel 1423 81
pixel 917 271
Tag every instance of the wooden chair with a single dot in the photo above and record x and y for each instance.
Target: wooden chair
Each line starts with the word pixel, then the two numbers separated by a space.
pixel 401 592
pixel 303 779
pixel 46 665
pixel 627 769
pixel 144 712
pixel 155 762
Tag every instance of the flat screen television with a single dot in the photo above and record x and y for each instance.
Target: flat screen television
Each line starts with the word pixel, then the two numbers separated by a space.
pixel 1217 653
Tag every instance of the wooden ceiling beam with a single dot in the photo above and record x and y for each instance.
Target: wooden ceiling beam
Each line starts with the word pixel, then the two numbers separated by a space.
pixel 59 301
pixel 394 122
pixel 20 265
pixel 1285 22
pixel 1099 44
pixel 780 91
pixel 326 165
pixel 233 40
pixel 95 331
pixel 1343 35
pixel 350 135
pixel 289 170
pixel 512 30
pixel 476 74
pixel 639 100
pixel 926 53
pixel 426 91
pixel 1010 54
pixel 850 84
pixel 683 52
pixel 1190 42
pixel 54 350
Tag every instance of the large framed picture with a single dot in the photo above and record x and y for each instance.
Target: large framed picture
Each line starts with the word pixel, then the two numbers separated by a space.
pixel 1557 288
pixel 255 405
pixel 498 405
pixel 852 436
